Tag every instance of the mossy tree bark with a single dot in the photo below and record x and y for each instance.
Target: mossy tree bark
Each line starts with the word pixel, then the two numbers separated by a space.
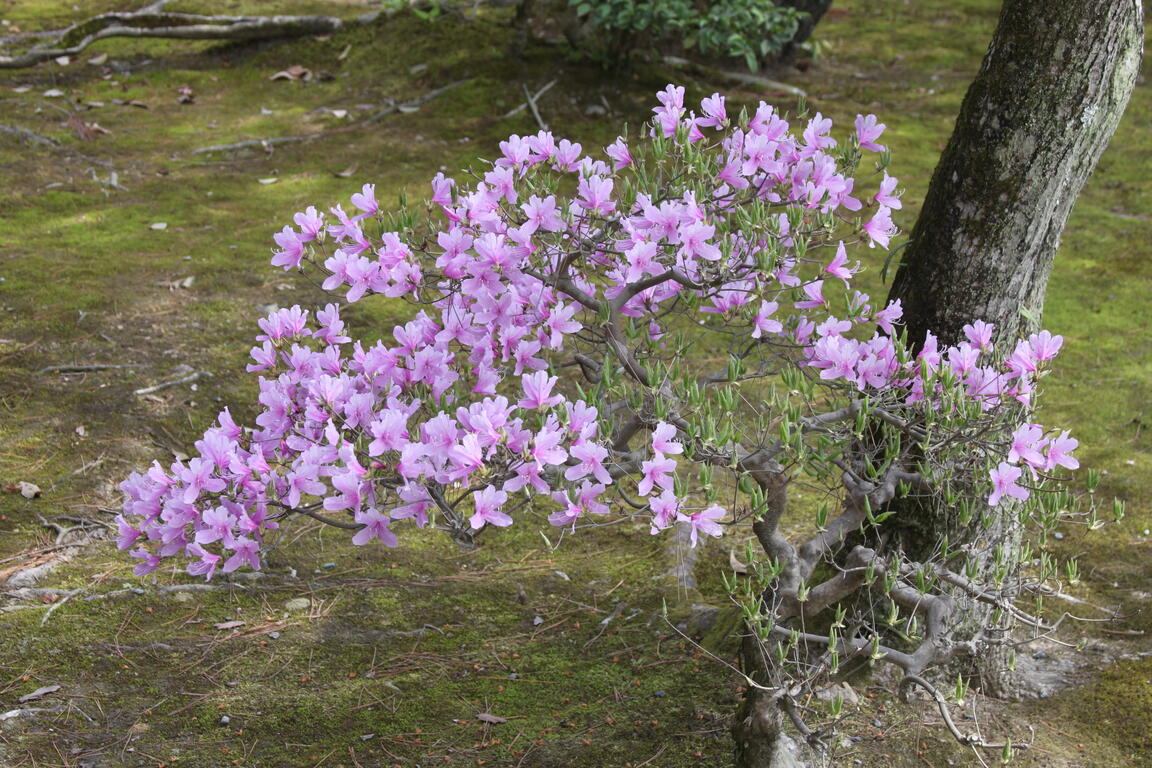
pixel 1047 99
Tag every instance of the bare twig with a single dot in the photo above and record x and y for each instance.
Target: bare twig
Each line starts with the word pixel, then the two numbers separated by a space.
pixel 535 97
pixel 415 103
pixel 82 368
pixel 184 26
pixel 970 740
pixel 535 111
pixel 58 603
pixel 176 382
pixel 27 135
pixel 265 144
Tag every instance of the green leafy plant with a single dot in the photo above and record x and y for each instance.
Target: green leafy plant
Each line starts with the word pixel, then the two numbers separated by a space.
pixel 749 29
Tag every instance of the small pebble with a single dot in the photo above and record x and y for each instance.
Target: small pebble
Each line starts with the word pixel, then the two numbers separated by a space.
pixel 513 676
pixel 225 720
pixel 1058 536
pixel 1039 655
pixel 274 635
pixel 877 724
pixel 328 565
pixel 659 694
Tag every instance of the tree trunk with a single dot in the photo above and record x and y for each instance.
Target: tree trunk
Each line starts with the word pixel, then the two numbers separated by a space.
pixel 815 10
pixel 1047 100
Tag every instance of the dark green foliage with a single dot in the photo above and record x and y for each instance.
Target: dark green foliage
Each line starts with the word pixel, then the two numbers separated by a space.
pixel 752 30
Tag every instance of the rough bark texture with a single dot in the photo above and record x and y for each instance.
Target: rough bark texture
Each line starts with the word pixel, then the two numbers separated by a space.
pixel 1047 100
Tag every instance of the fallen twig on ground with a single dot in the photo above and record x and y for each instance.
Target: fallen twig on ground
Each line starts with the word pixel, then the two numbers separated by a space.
pixel 27 135
pixel 183 26
pixel 536 97
pixel 415 103
pixel 83 368
pixel 535 110
pixel 265 144
pixel 175 382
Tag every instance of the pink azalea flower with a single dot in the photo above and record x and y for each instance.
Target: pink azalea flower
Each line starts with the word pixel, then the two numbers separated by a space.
pixel 885 197
pixel 591 457
pixel 867 131
pixel 538 391
pixel 662 439
pixel 763 323
pixel 704 522
pixel 488 503
pixel 376 526
pixel 980 334
pixel 880 228
pixel 1058 450
pixel 889 315
pixel 1027 443
pixel 664 508
pixel 1004 479
pixel 837 267
pixel 657 472
pixel 815 293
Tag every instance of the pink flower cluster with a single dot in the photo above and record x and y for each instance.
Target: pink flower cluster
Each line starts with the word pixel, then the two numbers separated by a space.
pixel 459 410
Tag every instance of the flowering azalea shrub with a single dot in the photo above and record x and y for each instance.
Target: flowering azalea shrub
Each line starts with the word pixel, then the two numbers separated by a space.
pixel 669 331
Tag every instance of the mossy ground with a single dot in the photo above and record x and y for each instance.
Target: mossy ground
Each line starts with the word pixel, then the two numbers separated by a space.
pixel 397 653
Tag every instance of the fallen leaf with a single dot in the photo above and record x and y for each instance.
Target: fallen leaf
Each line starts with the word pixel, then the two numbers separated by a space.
pixel 124 103
pixel 294 72
pixel 340 113
pixel 39 693
pixel 346 172
pixel 485 717
pixel 81 431
pixel 229 624
pixel 408 108
pixel 269 180
pixel 85 130
pixel 63 60
pixel 53 93
pixel 98 60
pixel 344 53
pixel 736 565
pixel 22 89
pixel 25 489
pixel 159 226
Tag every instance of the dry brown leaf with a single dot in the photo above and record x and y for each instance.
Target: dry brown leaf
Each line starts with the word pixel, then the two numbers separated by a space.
pixel 25 489
pixel 85 130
